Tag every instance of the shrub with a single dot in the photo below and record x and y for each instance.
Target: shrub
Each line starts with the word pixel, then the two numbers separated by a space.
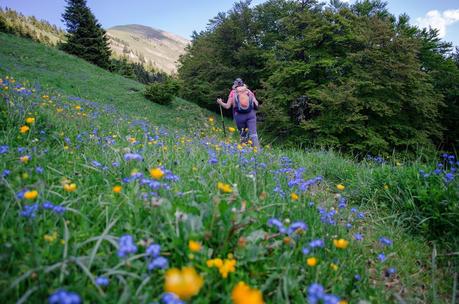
pixel 162 92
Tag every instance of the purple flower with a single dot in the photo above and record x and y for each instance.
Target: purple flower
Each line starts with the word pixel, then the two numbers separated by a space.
pixel 448 177
pixel 116 164
pixel 102 281
pixel 297 226
pixel 6 172
pixel 385 241
pixel 316 292
pixel 171 298
pixel 317 243
pixel 47 205
pixel 59 209
pixel 158 263
pixel 30 211
pixel 96 164
pixel 342 203
pixel 357 277
pixel 311 204
pixel 39 170
pixel 64 297
pixel 390 271
pixel 126 246
pixel 154 250
pixel 358 236
pixel 4 149
pixel 132 156
pixel 381 257
pixel 305 250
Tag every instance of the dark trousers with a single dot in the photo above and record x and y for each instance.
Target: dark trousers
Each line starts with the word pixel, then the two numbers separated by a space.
pixel 247 125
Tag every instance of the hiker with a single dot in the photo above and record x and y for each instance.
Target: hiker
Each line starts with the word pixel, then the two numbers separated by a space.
pixel 244 106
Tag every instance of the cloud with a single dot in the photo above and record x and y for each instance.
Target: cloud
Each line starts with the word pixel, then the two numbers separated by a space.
pixel 438 20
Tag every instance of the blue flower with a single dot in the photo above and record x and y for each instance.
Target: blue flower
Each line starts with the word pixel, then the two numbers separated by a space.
pixel 390 271
pixel 158 263
pixel 171 298
pixel 381 257
pixel 64 297
pixel 385 241
pixel 102 281
pixel 39 170
pixel 448 177
pixel 316 292
pixel 133 156
pixel 30 211
pixel 358 236
pixel 342 203
pixel 96 164
pixel 6 172
pixel 153 250
pixel 126 246
pixel 357 277
pixel 297 226
pixel 4 149
pixel 317 243
pixel 306 250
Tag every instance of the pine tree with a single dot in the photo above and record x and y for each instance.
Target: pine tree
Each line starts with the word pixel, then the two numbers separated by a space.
pixel 85 36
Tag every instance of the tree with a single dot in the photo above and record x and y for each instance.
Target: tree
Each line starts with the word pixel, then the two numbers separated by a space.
pixel 85 36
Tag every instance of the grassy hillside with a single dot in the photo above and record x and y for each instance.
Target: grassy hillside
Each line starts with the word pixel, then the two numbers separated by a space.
pixel 47 67
pixel 110 197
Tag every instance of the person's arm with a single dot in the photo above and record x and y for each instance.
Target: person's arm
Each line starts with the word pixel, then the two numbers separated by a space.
pixel 255 101
pixel 228 104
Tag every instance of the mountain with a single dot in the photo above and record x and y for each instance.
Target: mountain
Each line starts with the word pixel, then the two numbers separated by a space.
pixel 147 45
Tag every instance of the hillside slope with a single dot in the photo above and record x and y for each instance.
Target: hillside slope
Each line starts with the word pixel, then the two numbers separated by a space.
pixel 147 45
pixel 48 67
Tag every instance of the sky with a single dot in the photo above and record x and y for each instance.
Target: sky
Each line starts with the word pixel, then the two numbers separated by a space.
pixel 182 17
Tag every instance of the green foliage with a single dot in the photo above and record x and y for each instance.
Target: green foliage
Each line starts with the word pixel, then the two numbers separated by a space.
pixel 162 92
pixel 85 36
pixel 352 77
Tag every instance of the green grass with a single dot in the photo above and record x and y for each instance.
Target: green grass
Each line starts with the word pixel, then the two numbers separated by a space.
pixel 76 141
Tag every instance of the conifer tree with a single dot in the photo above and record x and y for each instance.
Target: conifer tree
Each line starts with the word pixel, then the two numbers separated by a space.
pixel 85 36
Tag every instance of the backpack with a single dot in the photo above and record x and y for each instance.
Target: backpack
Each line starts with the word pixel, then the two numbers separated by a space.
pixel 244 104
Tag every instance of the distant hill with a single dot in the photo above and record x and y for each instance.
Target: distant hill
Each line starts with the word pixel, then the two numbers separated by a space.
pixel 147 45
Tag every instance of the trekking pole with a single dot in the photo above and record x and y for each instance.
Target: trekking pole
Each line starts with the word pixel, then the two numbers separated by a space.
pixel 223 121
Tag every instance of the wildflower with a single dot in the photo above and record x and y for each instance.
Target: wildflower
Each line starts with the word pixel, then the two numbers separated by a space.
pixel 185 283
pixel 156 173
pixel 24 129
pixel 340 187
pixel 102 281
pixel 231 129
pixel 158 263
pixel 385 241
pixel 297 227
pixel 4 149
pixel 171 298
pixel 64 297
pixel 317 243
pixel 226 188
pixel 70 187
pixel 294 196
pixel 316 294
pixel 244 294
pixel 381 257
pixel 30 195
pixel 6 172
pixel 194 246
pixel 29 211
pixel 214 263
pixel 390 271
pixel 126 246
pixel 133 156
pixel 30 120
pixel 386 187
pixel 24 159
pixel 117 189
pixel 39 170
pixel 154 250
pixel 50 237
pixel 341 243
pixel 229 265
pixel 312 261
pixel 275 222
pixel 333 266
pixel 211 119
pixel 358 237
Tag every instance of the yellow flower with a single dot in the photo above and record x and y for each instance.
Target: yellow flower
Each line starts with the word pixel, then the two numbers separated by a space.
pixel 211 119
pixel 24 159
pixel 294 196
pixel 340 187
pixel 229 265
pixel 59 110
pixel 30 120
pixel 231 129
pixel 341 243
pixel 334 266
pixel 117 189
pixel 226 188
pixel 45 97
pixel 50 237
pixel 78 108
pixel 342 302
pixel 386 187
pixel 215 263
pixel 31 195
pixel 243 294
pixel 194 246
pixel 185 283
pixel 312 261
pixel 25 175
pixel 70 187
pixel 156 173
pixel 5 88
pixel 24 129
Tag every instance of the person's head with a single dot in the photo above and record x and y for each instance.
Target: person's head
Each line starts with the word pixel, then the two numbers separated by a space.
pixel 242 89
pixel 238 83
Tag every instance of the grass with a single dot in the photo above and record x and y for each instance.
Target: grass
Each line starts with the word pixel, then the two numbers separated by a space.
pixel 74 140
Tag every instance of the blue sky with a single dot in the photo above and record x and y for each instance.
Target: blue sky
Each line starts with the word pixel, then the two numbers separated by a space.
pixel 183 16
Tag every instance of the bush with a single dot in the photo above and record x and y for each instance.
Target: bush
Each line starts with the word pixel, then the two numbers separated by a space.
pixel 162 92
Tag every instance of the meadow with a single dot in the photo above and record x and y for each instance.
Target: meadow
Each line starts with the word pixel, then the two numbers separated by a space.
pixel 109 198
